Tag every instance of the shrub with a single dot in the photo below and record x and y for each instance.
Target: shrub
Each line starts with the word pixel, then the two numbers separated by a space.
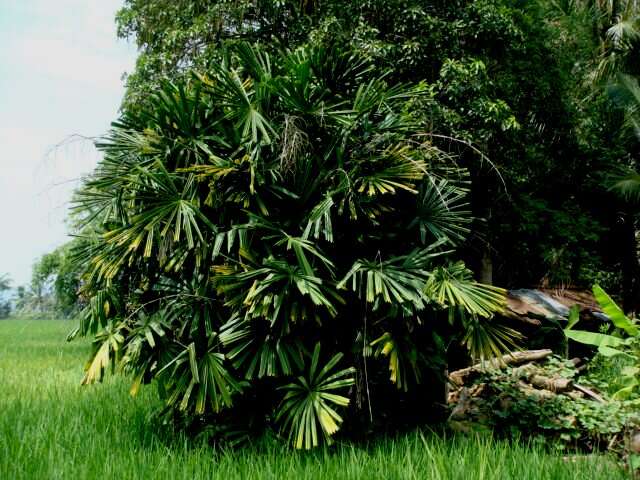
pixel 262 229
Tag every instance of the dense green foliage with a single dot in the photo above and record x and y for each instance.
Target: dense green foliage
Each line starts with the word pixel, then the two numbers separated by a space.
pixel 513 78
pixel 55 281
pixel 622 341
pixel 260 228
pixel 304 204
pixel 49 424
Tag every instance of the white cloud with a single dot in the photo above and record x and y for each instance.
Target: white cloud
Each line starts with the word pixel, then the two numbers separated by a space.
pixel 60 67
pixel 71 40
pixel 59 59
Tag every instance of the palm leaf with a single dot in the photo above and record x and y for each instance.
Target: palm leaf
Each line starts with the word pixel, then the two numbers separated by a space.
pixel 403 357
pixel 307 409
pixel 397 280
pixel 106 353
pixel 452 286
pixel 200 382
pixel 254 348
pixel 443 212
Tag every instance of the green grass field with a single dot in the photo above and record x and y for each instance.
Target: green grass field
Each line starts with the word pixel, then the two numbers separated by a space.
pixel 52 428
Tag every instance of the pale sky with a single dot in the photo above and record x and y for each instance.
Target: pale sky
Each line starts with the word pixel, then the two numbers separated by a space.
pixel 60 74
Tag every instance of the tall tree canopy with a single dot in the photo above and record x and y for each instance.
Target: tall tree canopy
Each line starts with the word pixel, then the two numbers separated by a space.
pixel 501 76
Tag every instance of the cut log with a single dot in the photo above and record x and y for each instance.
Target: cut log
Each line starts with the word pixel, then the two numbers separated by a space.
pixel 553 384
pixel 459 377
pixel 582 368
pixel 576 361
pixel 526 370
pixel 477 390
pixel 516 358
pixel 575 395
pixel 534 392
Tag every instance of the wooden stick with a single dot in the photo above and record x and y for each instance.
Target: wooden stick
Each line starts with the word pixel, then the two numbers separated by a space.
pixel 589 393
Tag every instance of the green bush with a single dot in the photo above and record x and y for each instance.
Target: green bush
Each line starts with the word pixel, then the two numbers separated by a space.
pixel 273 240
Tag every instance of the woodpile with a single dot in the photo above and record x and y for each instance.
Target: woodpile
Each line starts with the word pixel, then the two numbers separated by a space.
pixel 535 394
pixel 532 380
pixel 461 377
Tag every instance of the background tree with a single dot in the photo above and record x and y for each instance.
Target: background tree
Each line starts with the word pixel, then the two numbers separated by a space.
pixel 607 57
pixel 5 304
pixel 625 181
pixel 504 77
pixel 5 283
pixel 53 290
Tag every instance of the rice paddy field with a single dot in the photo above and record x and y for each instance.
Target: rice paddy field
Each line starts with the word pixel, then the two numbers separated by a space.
pixel 52 428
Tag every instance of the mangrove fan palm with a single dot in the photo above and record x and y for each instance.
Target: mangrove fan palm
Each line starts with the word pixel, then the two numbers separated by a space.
pixel 271 240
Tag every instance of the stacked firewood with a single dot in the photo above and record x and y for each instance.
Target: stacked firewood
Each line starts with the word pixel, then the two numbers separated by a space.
pixel 475 397
pixel 533 380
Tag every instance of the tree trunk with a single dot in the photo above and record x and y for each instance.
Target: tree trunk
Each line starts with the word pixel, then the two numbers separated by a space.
pixel 630 266
pixel 615 11
pixel 486 267
pixel 481 195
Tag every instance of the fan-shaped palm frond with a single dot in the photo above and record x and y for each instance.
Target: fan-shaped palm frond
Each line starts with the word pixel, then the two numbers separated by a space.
pixel 255 348
pixel 443 212
pixel 145 339
pixel 106 352
pixel 278 289
pixel 486 338
pixel 627 185
pixel 397 280
pixel 243 104
pixel 170 212
pixel 399 171
pixel 184 129
pixel 625 92
pixel 476 303
pixel 453 286
pixel 104 305
pixel 199 381
pixel 320 220
pixel 624 32
pixel 405 360
pixel 308 408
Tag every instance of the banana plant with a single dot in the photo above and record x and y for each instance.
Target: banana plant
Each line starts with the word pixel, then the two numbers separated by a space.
pixel 624 341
